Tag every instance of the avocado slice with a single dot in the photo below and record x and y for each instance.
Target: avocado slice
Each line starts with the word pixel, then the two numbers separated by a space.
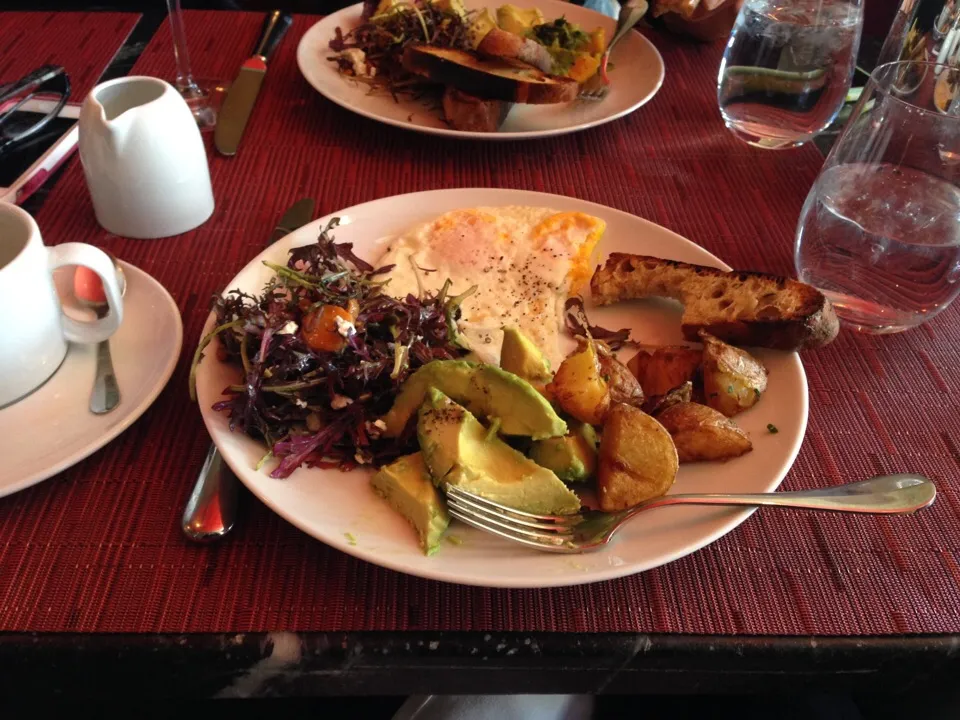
pixel 458 450
pixel 573 457
pixel 406 485
pixel 520 356
pixel 484 390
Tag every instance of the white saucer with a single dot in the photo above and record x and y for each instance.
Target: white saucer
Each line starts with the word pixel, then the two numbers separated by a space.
pixel 52 428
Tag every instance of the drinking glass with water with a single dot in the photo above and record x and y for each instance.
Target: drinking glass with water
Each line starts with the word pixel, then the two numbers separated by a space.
pixel 787 69
pixel 879 233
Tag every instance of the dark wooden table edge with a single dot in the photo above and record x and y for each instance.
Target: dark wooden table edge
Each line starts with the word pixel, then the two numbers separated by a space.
pixel 172 666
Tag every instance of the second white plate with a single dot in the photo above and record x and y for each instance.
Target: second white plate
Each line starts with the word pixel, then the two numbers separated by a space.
pixel 636 76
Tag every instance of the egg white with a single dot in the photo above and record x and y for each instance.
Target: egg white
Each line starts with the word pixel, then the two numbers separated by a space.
pixel 525 262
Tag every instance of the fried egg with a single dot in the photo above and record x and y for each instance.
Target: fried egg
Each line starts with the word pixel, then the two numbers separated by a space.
pixel 524 261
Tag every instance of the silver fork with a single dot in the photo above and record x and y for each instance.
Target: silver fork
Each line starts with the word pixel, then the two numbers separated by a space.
pixel 596 87
pixel 590 530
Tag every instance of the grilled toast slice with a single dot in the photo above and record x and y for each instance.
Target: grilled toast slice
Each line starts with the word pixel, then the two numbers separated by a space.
pixel 471 114
pixel 502 44
pixel 742 308
pixel 502 79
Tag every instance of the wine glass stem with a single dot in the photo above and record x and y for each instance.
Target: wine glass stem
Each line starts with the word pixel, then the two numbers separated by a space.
pixel 185 82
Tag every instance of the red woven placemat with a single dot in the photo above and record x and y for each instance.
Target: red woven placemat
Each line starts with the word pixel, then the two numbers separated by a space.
pixel 83 42
pixel 98 548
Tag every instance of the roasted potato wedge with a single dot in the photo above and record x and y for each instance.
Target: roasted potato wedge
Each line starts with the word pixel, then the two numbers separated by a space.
pixel 578 386
pixel 659 403
pixel 702 433
pixel 665 368
pixel 624 386
pixel 637 459
pixel 733 379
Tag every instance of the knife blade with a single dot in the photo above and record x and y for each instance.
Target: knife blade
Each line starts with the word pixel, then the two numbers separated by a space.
pixel 211 509
pixel 243 92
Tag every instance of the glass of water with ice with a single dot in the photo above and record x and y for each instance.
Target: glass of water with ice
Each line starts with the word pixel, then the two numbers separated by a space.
pixel 787 69
pixel 879 233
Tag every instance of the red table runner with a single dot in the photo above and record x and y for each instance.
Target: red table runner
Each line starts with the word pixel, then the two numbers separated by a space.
pixel 83 42
pixel 879 404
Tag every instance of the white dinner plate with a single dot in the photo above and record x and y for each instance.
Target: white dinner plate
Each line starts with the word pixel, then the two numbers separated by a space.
pixel 53 428
pixel 636 76
pixel 341 509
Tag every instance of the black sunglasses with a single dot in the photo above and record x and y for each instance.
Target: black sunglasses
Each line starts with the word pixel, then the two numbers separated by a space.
pixel 50 80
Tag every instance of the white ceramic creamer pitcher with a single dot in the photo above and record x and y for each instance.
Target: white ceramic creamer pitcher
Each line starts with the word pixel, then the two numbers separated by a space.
pixel 144 159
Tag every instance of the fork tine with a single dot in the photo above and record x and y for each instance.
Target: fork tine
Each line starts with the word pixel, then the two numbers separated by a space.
pixel 592 96
pixel 469 503
pixel 492 529
pixel 453 491
pixel 519 530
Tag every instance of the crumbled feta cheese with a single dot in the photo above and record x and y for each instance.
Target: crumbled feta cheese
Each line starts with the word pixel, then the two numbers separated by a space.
pixel 358 62
pixel 300 403
pixel 339 402
pixel 345 328
pixel 289 329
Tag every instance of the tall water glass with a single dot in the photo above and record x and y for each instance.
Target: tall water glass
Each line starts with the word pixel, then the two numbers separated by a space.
pixel 204 97
pixel 879 233
pixel 787 69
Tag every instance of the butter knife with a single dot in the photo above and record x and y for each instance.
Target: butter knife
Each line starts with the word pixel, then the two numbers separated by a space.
pixel 211 509
pixel 243 92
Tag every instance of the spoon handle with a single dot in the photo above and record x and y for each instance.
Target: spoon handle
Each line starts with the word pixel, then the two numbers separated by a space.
pixel 901 493
pixel 212 508
pixel 106 392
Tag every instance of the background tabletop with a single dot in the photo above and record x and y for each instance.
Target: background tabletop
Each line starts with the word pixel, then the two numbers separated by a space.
pixel 84 43
pixel 98 548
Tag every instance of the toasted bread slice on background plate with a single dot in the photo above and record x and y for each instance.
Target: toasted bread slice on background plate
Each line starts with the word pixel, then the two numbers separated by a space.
pixel 502 79
pixel 502 44
pixel 472 114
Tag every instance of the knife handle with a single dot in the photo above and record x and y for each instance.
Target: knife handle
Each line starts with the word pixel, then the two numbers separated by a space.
pixel 274 28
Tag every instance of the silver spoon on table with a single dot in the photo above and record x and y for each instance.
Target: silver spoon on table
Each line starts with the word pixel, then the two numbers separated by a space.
pixel 106 392
pixel 211 509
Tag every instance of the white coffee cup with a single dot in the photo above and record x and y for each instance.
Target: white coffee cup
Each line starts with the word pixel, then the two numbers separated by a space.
pixel 35 331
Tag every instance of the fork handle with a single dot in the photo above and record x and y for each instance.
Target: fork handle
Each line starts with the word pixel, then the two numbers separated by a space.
pixel 900 493
pixel 631 13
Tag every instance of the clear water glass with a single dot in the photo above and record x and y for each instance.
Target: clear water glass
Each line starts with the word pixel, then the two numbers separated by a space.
pixel 879 233
pixel 205 96
pixel 787 69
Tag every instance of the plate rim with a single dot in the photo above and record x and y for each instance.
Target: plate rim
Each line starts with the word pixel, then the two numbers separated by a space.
pixel 114 431
pixel 735 517
pixel 308 39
